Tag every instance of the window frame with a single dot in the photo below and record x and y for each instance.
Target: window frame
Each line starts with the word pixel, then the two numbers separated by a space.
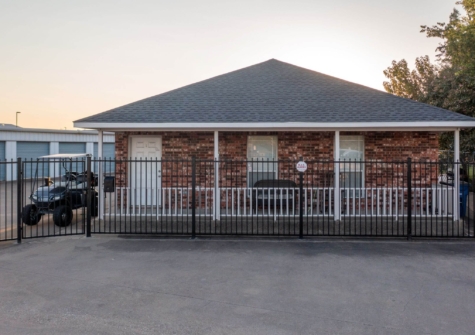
pixel 250 165
pixel 361 166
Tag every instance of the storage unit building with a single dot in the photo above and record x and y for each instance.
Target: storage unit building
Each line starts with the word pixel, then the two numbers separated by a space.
pixel 109 156
pixel 73 148
pixel 30 151
pixel 2 158
pixel 31 143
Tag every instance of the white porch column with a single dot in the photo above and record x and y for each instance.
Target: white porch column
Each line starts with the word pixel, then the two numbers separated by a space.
pixel 336 179
pixel 55 167
pixel 456 175
pixel 100 144
pixel 10 155
pixel 217 197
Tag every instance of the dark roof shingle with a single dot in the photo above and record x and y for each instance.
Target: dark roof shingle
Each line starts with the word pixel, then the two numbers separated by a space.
pixel 274 91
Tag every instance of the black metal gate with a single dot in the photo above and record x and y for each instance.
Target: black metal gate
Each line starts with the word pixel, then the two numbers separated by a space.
pixel 196 197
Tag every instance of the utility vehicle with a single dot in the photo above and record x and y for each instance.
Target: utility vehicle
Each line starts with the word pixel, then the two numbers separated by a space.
pixel 63 193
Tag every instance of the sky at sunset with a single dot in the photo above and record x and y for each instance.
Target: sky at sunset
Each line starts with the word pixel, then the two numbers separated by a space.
pixel 64 60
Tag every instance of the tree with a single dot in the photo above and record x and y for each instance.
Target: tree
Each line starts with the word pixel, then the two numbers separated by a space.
pixel 450 83
pixel 415 84
pixel 458 46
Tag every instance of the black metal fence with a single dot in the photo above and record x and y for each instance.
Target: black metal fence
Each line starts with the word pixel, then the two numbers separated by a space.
pixel 8 201
pixel 231 197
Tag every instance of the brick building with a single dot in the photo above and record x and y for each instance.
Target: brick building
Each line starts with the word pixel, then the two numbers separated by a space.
pixel 274 111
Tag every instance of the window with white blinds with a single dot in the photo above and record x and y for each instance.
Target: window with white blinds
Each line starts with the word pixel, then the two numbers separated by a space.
pixel 261 154
pixel 351 158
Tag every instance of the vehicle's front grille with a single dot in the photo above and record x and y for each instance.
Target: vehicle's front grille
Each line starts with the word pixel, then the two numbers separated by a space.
pixel 42 204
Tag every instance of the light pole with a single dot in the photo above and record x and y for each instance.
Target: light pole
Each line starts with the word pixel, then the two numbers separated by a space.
pixel 17 118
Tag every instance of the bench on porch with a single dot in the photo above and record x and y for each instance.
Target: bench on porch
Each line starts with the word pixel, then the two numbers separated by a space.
pixel 274 192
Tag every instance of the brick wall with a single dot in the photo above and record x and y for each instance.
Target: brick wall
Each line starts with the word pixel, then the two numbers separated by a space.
pixel 313 146
pixel 291 145
pixel 381 147
pixel 174 144
pixel 384 146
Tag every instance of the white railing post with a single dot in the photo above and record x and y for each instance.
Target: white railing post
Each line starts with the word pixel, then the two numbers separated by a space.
pixel 336 179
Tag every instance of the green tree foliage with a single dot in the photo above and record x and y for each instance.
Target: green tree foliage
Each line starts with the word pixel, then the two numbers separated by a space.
pixel 458 46
pixel 415 84
pixel 449 83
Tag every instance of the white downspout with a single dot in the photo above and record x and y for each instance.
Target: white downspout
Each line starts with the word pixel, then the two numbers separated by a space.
pixel 217 197
pixel 336 179
pixel 456 197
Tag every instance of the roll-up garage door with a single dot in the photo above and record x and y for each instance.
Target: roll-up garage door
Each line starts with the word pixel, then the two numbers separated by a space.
pixel 29 152
pixel 74 148
pixel 2 159
pixel 108 157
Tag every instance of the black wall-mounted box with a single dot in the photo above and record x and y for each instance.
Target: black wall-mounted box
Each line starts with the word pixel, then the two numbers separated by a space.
pixel 109 184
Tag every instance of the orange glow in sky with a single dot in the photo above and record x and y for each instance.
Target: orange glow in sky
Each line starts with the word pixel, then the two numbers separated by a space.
pixel 64 60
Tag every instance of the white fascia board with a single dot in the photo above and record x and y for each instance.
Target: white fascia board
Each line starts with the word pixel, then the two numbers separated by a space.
pixel 53 137
pixel 50 131
pixel 284 126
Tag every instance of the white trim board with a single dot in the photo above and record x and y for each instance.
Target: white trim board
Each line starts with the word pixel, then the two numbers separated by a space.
pixel 284 126
pixel 52 137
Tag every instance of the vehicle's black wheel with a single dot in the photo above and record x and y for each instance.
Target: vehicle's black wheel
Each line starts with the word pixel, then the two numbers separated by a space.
pixel 95 206
pixel 62 216
pixel 30 215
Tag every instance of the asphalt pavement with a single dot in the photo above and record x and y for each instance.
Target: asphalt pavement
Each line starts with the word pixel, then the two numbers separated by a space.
pixel 113 285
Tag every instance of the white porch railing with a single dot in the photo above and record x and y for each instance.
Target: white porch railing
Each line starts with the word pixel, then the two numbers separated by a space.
pixel 392 202
pixel 166 201
pixel 280 202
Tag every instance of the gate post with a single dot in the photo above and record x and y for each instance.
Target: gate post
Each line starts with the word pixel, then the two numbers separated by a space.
pixel 193 197
pixel 19 198
pixel 88 196
pixel 409 199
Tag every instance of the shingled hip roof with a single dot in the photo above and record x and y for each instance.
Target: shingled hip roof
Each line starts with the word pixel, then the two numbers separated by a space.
pixel 276 95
